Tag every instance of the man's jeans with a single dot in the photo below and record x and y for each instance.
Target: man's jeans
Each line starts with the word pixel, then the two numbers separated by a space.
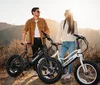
pixel 69 46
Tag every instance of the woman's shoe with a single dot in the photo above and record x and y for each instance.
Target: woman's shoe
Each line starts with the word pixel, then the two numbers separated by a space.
pixel 67 76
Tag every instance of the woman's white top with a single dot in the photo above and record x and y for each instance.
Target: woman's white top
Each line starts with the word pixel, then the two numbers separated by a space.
pixel 62 34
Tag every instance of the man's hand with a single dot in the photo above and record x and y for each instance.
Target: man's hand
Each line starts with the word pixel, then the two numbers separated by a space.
pixel 25 43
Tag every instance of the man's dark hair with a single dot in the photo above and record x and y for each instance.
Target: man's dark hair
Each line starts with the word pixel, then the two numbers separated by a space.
pixel 34 9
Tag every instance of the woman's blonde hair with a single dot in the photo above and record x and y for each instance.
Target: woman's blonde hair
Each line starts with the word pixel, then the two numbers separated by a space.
pixel 70 21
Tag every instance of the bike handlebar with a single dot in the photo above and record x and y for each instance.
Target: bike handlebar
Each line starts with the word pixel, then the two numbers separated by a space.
pixel 48 38
pixel 77 38
pixel 82 38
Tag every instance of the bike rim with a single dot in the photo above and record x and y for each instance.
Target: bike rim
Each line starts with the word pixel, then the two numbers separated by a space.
pixel 13 71
pixel 90 75
pixel 51 72
pixel 15 65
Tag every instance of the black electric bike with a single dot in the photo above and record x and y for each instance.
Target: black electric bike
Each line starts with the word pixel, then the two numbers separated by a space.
pixel 52 68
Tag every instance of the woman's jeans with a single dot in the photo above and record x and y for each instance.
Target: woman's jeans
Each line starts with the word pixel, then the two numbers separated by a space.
pixel 69 46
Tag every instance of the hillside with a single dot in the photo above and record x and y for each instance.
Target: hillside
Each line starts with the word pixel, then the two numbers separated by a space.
pixel 15 32
pixel 4 25
pixel 8 34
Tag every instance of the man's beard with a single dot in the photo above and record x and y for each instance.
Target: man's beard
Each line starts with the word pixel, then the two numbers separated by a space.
pixel 37 15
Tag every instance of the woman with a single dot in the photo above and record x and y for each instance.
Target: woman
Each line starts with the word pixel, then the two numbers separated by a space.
pixel 68 27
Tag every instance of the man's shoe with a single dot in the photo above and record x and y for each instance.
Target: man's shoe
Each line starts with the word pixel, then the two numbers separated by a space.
pixel 35 74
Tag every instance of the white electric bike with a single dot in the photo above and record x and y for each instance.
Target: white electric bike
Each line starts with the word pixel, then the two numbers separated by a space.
pixel 86 72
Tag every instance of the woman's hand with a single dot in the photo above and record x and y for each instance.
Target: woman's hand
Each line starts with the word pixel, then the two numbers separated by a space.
pixel 58 44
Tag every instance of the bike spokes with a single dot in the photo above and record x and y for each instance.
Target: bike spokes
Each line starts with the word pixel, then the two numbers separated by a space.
pixel 51 71
pixel 89 76
pixel 15 65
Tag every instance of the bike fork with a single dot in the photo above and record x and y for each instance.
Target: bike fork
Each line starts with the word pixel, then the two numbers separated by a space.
pixel 82 64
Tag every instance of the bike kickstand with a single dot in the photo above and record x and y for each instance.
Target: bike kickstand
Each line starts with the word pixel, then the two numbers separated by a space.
pixel 22 74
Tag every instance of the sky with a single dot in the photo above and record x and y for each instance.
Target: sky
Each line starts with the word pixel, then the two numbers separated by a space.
pixel 85 12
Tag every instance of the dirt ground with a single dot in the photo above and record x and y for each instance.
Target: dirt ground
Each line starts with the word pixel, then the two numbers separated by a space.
pixel 28 79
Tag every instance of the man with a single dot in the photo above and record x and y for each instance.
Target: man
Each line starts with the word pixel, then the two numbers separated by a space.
pixel 33 27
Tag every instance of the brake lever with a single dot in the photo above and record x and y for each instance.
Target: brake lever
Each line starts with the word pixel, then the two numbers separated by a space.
pixel 44 33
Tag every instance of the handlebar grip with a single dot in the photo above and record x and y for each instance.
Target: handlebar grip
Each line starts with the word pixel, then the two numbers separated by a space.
pixel 76 35
pixel 21 43
pixel 26 43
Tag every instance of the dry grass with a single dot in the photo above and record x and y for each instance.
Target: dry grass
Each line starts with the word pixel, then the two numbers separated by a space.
pixel 28 79
pixel 16 48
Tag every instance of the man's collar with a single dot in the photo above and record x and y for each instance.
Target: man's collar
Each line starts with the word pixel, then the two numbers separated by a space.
pixel 34 19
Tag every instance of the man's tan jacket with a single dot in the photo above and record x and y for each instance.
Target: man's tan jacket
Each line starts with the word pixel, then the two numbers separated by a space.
pixel 30 29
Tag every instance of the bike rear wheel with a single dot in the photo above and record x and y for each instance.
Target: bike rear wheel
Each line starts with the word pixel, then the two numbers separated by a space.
pixel 52 73
pixel 14 65
pixel 91 77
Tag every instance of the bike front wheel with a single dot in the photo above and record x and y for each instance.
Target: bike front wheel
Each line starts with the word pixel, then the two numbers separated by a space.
pixel 50 73
pixel 91 77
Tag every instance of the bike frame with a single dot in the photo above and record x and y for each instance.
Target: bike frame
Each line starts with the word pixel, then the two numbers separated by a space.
pixel 36 56
pixel 71 57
